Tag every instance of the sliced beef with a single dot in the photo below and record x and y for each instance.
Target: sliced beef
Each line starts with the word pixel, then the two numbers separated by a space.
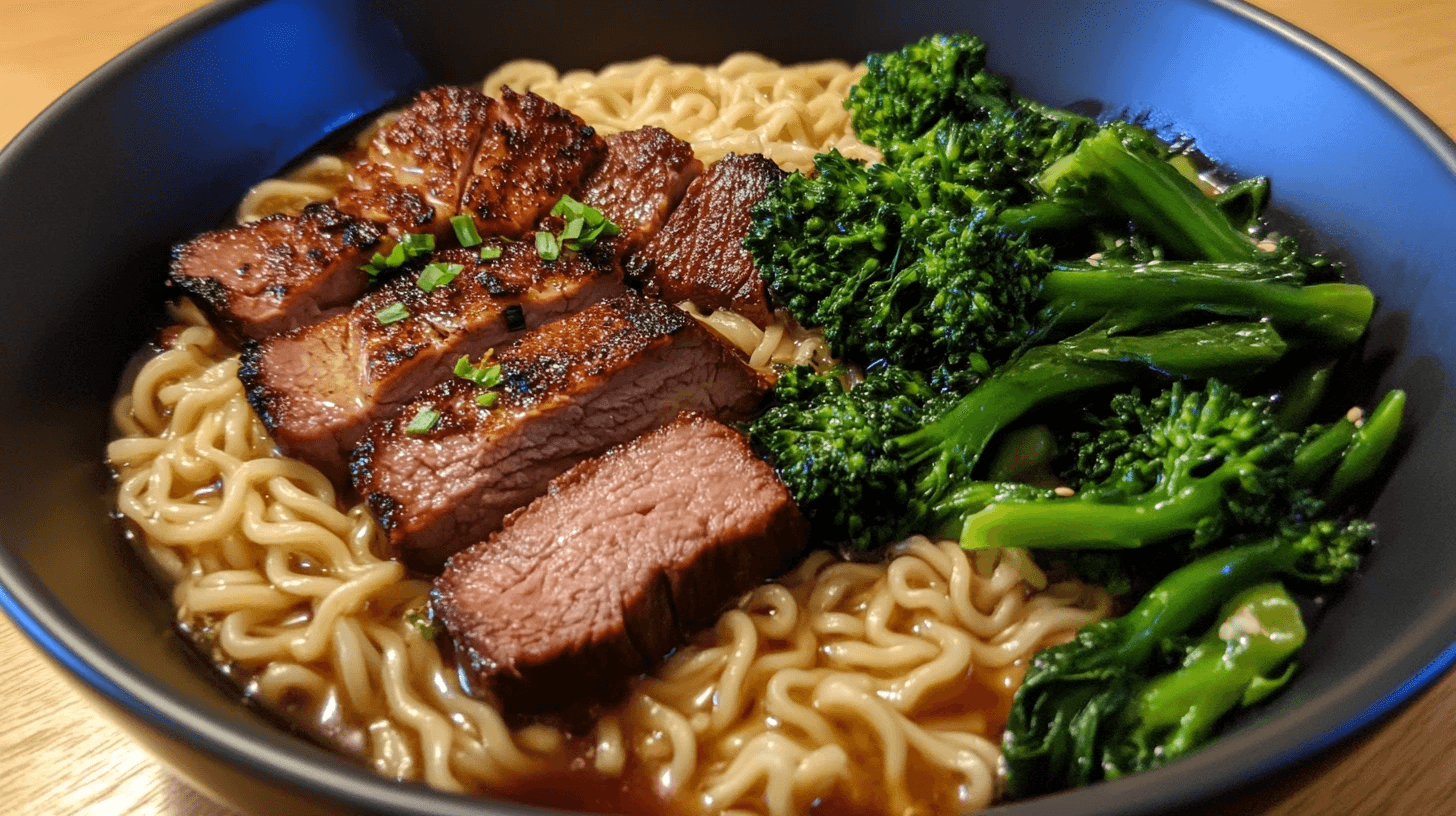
pixel 641 180
pixel 317 388
pixel 415 167
pixel 698 254
pixel 571 390
pixel 625 557
pixel 504 161
pixel 531 154
pixel 278 272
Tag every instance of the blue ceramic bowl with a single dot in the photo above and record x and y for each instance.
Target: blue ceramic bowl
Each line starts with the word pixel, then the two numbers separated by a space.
pixel 161 142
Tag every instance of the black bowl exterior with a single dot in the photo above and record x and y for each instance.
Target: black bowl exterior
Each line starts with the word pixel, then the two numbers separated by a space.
pixel 160 143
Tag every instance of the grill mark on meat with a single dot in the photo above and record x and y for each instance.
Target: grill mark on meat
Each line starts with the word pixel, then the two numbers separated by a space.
pixel 569 391
pixel 510 159
pixel 698 254
pixel 318 388
pixel 414 168
pixel 643 177
pixel 531 153
pixel 618 563
pixel 278 272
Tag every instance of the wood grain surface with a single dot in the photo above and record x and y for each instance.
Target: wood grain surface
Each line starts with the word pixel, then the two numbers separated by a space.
pixel 59 758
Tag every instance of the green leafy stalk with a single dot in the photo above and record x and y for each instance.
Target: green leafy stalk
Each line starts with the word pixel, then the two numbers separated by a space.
pixel 1243 659
pixel 1124 168
pixel 1079 699
pixel 1190 465
pixel 1334 315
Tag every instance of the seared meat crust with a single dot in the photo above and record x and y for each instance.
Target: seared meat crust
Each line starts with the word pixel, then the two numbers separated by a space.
pixel 278 272
pixel 570 390
pixel 317 388
pixel 618 563
pixel 698 254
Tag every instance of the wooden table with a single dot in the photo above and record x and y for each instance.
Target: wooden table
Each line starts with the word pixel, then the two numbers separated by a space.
pixel 58 758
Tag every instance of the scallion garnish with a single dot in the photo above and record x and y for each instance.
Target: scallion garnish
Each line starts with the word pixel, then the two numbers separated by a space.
pixel 437 274
pixel 465 230
pixel 417 243
pixel 424 422
pixel 420 620
pixel 409 247
pixel 583 226
pixel 568 208
pixel 393 313
pixel 547 246
pixel 483 375
pixel 490 253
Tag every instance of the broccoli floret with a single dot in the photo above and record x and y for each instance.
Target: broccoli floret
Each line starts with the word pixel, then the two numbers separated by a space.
pixel 893 456
pixel 1191 465
pixel 940 258
pixel 934 284
pixel 904 93
pixel 829 446
pixel 1096 706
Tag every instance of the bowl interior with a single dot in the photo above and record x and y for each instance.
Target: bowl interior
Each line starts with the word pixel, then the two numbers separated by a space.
pixel 160 144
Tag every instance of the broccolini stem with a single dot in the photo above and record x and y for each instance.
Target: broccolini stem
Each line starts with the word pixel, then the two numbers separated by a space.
pixel 1321 454
pixel 1333 314
pixel 1256 633
pixel 1189 594
pixel 1077 365
pixel 1072 524
pixel 1303 394
pixel 1367 450
pixel 1115 165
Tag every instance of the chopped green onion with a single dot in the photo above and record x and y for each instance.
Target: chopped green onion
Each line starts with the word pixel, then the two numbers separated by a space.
pixel 573 228
pixel 410 246
pixel 569 207
pixel 547 246
pixel 486 377
pixel 393 313
pixel 420 620
pixel 465 230
pixel 515 317
pixel 482 375
pixel 424 421
pixel 417 243
pixel 438 274
pixel 490 253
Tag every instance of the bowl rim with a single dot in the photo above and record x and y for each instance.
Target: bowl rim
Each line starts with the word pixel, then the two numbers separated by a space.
pixel 39 614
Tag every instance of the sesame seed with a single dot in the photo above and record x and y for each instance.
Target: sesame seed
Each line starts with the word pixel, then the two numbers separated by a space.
pixel 1356 415
pixel 1065 491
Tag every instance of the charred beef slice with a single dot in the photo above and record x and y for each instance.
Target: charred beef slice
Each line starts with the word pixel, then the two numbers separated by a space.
pixel 510 158
pixel 455 150
pixel 643 177
pixel 531 154
pixel 415 166
pixel 317 388
pixel 616 565
pixel 279 272
pixel 698 254
pixel 570 390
